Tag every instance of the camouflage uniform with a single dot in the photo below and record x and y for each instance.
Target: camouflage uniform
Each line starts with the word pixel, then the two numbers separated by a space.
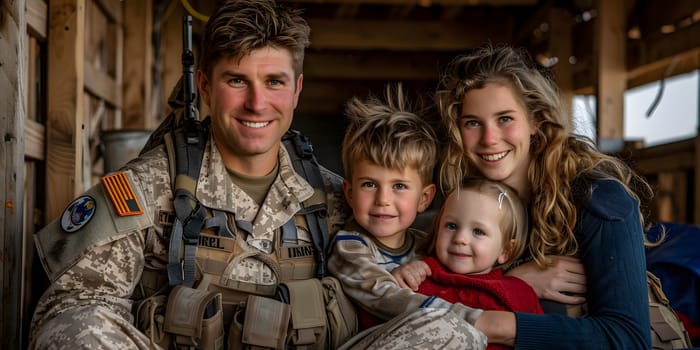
pixel 426 328
pixel 97 271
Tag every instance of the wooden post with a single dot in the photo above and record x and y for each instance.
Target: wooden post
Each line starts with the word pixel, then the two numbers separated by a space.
pixel 560 23
pixel 611 39
pixel 65 120
pixel 138 64
pixel 13 51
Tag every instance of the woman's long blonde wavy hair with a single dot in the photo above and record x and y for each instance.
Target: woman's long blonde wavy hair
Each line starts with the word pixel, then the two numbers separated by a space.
pixel 557 155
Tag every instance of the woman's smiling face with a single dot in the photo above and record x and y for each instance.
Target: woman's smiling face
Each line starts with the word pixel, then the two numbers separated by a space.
pixel 496 131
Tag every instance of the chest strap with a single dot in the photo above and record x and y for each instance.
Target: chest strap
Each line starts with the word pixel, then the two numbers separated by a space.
pixel 189 142
pixel 304 162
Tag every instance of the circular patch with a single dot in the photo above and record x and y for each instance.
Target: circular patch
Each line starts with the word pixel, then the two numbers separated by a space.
pixel 78 213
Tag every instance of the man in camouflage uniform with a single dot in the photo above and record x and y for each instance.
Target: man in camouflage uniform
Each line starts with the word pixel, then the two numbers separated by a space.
pixel 108 264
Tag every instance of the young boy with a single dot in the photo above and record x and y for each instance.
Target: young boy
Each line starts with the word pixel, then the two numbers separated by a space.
pixel 388 154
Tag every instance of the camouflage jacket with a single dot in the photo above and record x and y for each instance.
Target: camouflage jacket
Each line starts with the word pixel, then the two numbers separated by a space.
pixel 95 269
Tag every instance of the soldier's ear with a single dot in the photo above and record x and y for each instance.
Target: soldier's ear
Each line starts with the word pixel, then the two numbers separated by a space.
pixel 203 86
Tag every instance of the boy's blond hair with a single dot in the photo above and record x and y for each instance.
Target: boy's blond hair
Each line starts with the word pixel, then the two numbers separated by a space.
pixel 387 134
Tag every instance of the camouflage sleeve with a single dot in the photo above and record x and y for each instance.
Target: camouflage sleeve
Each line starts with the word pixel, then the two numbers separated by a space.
pixel 88 306
pixel 338 210
pixel 368 284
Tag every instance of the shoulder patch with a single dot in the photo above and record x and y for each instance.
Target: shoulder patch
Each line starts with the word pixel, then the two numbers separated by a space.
pixel 121 194
pixel 78 213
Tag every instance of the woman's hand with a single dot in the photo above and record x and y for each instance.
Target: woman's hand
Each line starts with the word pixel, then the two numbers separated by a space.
pixel 411 275
pixel 563 280
pixel 498 326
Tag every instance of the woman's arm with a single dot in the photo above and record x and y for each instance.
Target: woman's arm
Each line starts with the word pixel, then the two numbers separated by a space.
pixel 563 280
pixel 609 236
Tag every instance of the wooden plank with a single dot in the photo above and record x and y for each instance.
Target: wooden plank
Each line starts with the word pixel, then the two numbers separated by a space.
pixel 113 9
pixel 119 70
pixel 653 14
pixel 665 197
pixel 65 121
pixel 36 18
pixel 648 60
pixel 560 24
pixel 34 139
pixel 102 85
pixel 373 65
pixel 680 191
pixel 13 30
pixel 407 35
pixel 610 36
pixel 424 2
pixel 670 162
pixel 169 60
pixel 138 59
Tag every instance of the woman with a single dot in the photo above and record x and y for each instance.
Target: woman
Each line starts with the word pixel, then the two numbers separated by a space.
pixel 504 121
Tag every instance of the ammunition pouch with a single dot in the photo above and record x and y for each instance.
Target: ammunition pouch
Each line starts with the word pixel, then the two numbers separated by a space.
pixel 313 314
pixel 195 318
pixel 150 319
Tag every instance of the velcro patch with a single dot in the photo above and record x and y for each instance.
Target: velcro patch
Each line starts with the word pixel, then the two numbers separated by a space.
pixel 121 194
pixel 78 214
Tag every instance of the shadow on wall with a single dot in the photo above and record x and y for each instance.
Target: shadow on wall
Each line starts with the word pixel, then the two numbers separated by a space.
pixel 326 135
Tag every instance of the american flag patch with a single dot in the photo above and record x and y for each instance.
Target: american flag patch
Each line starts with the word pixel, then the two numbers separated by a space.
pixel 122 195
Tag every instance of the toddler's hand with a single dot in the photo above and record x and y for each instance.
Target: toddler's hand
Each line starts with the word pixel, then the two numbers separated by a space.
pixel 411 275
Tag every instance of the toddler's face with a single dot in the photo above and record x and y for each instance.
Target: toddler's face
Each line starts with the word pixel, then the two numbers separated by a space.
pixel 469 237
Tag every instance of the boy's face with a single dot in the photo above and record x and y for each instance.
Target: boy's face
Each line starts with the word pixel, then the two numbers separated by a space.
pixel 385 201
pixel 252 101
pixel 469 237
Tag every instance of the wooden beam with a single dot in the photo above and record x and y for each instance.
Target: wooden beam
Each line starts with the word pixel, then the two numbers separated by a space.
pixel 138 59
pixel 36 18
pixel 13 45
pixel 102 85
pixel 663 68
pixel 560 25
pixel 663 46
pixel 610 36
pixel 34 139
pixel 425 3
pixel 373 65
pixel 65 121
pixel 405 35
pixel 113 9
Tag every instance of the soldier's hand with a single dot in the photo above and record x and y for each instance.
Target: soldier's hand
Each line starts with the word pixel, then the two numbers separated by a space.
pixel 412 274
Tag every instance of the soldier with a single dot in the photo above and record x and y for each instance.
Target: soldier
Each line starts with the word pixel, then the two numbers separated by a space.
pixel 109 255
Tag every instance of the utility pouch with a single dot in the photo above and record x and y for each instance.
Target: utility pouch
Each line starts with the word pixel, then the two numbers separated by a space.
pixel 150 319
pixel 308 325
pixel 195 318
pixel 340 311
pixel 667 330
pixel 265 324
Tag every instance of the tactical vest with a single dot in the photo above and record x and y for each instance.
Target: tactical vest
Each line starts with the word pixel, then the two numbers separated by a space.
pixel 207 245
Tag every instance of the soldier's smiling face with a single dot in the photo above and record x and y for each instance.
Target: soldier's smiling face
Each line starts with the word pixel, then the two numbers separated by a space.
pixel 252 100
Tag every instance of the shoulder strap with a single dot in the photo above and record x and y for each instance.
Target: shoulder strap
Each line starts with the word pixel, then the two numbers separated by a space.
pixel 305 164
pixel 189 141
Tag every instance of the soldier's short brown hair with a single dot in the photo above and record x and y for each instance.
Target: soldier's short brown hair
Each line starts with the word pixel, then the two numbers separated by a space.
pixel 238 27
